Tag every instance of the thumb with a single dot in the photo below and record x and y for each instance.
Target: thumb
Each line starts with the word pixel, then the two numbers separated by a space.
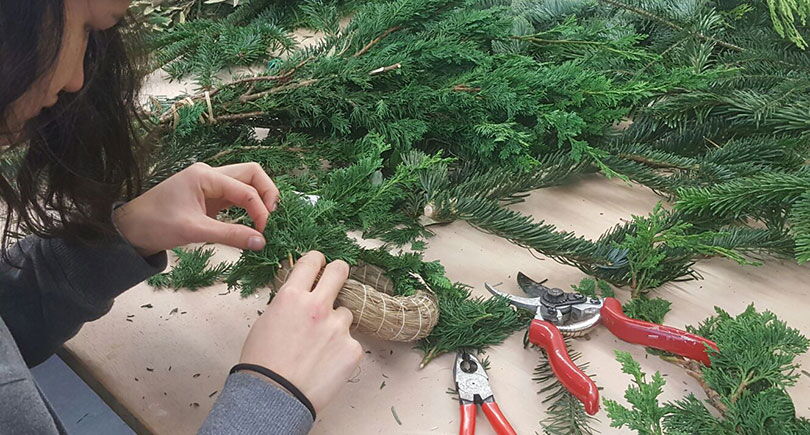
pixel 236 235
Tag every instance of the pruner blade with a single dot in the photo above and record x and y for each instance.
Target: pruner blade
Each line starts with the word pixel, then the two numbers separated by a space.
pixel 530 286
pixel 531 304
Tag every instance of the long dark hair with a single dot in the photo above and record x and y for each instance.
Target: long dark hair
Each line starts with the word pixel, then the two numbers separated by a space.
pixel 75 159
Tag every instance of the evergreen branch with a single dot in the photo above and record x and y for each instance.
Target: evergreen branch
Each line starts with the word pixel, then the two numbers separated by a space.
pixel 541 41
pixel 566 414
pixel 192 271
pixel 283 88
pixel 209 94
pixel 239 116
pixel 800 226
pixel 278 77
pixel 744 197
pixel 489 217
pixel 782 15
pixel 646 415
pixel 672 25
pixel 693 369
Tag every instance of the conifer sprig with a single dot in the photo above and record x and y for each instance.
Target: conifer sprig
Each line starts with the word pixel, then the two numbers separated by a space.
pixel 565 413
pixel 746 382
pixel 192 270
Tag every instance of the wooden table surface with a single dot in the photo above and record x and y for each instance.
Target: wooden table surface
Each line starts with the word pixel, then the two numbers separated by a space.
pixel 162 368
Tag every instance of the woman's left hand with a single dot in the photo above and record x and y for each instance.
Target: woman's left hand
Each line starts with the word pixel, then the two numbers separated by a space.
pixel 182 209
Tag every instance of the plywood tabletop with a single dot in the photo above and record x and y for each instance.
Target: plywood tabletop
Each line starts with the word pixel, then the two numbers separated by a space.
pixel 161 355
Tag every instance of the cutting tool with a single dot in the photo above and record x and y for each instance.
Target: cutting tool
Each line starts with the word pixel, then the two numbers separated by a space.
pixel 473 388
pixel 561 314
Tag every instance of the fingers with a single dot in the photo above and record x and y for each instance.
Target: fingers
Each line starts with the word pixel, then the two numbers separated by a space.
pixel 305 272
pixel 345 317
pixel 332 280
pixel 253 175
pixel 236 192
pixel 236 235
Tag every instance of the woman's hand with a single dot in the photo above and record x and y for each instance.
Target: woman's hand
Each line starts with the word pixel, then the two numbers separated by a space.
pixel 182 209
pixel 301 337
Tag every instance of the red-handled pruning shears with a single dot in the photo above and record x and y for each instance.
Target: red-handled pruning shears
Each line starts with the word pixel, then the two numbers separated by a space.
pixel 472 383
pixel 560 313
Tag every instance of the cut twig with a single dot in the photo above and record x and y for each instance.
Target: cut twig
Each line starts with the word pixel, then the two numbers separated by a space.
pixel 280 77
pixel 235 116
pixel 374 41
pixel 385 69
pixel 465 88
pixel 171 113
pixel 277 89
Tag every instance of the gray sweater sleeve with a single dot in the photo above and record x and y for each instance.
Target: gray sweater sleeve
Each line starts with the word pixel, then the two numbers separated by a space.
pixel 249 405
pixel 51 287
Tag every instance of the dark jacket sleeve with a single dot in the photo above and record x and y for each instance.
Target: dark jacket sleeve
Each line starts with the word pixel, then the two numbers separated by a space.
pixel 58 285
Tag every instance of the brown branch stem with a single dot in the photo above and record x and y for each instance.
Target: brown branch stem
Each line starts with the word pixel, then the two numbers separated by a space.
pixel 235 116
pixel 693 369
pixel 374 41
pixel 384 69
pixel 464 88
pixel 650 162
pixel 277 89
pixel 228 151
pixel 169 114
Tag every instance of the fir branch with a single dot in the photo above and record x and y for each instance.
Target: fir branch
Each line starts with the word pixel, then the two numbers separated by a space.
pixel 566 414
pixel 800 226
pixel 670 24
pixel 744 197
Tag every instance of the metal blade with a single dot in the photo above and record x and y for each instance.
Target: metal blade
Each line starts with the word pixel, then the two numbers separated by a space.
pixel 472 381
pixel 530 304
pixel 530 286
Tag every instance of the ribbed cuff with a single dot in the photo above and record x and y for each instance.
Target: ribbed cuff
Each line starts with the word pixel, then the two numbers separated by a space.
pixel 249 405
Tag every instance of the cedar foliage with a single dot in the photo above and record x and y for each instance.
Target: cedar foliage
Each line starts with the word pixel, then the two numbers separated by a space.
pixel 192 271
pixel 746 383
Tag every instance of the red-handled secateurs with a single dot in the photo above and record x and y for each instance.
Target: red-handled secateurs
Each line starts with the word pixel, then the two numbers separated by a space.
pixel 472 383
pixel 560 313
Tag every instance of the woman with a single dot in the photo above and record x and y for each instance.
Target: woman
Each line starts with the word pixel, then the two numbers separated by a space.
pixel 66 104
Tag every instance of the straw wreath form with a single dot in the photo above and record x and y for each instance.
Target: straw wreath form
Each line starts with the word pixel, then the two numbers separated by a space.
pixel 369 295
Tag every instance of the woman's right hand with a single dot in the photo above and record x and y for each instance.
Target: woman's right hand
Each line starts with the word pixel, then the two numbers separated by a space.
pixel 301 337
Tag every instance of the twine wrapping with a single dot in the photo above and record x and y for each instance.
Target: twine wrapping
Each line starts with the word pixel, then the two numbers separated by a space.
pixel 369 295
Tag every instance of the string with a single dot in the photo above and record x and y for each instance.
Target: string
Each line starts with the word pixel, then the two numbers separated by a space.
pixel 419 315
pixel 383 318
pixel 402 309
pixel 363 307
